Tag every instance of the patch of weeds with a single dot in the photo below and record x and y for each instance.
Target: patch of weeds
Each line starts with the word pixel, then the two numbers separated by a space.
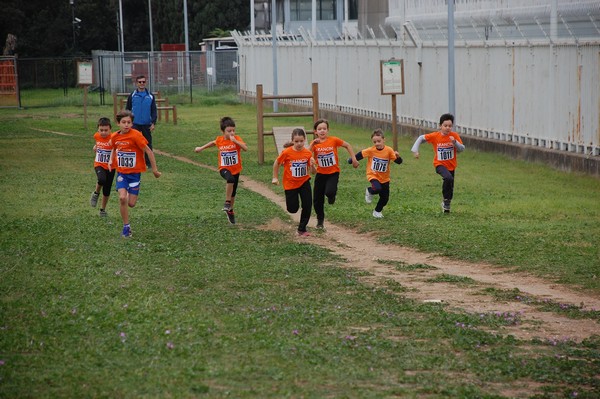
pixel 547 305
pixel 395 286
pixel 406 267
pixel 449 278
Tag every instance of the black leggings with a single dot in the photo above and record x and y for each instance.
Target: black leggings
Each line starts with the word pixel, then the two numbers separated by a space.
pixel 383 189
pixel 292 202
pixel 325 186
pixel 105 179
pixel 448 183
pixel 231 179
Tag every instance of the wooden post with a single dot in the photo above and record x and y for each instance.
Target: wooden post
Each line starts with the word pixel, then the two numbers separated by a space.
pixel 85 100
pixel 260 124
pixel 394 122
pixel 174 114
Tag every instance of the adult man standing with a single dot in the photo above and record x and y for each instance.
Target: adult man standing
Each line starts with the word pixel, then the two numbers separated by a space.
pixel 143 106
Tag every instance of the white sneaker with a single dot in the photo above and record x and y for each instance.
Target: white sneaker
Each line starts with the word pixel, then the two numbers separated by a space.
pixel 368 196
pixel 377 215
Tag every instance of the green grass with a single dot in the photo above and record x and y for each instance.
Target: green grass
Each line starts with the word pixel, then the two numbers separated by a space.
pixel 190 307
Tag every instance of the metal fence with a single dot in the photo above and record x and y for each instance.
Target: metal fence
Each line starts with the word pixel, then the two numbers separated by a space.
pixel 536 85
pixel 181 73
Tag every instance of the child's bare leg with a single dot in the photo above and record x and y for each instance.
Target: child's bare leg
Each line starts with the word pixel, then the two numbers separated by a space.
pixel 229 192
pixel 123 199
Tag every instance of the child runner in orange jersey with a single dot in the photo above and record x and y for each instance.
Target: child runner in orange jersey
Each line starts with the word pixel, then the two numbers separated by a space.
pixel 129 149
pixel 230 161
pixel 105 175
pixel 378 170
pixel 446 144
pixel 297 162
pixel 325 150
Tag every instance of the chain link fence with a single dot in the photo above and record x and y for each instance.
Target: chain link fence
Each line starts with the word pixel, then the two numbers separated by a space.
pixel 179 75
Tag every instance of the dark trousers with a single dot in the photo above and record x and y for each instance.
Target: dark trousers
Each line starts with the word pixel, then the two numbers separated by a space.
pixel 325 186
pixel 145 129
pixel 383 189
pixel 293 199
pixel 105 179
pixel 448 181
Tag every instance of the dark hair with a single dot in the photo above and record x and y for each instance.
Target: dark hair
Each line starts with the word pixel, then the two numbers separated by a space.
pixel 104 122
pixel 296 132
pixel 226 122
pixel 319 121
pixel 447 117
pixel 124 113
pixel 140 77
pixel 378 132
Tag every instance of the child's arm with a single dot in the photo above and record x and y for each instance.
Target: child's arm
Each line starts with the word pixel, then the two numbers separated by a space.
pixel 150 154
pixel 110 160
pixel 348 148
pixel 358 157
pixel 312 169
pixel 398 159
pixel 460 147
pixel 415 147
pixel 205 146
pixel 275 179
pixel 242 145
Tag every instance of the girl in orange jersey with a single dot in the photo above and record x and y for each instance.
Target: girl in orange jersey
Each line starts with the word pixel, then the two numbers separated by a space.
pixel 325 150
pixel 129 149
pixel 297 162
pixel 446 144
pixel 378 170
pixel 230 161
pixel 105 175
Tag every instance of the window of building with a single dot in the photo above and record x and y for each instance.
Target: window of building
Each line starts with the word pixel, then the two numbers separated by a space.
pixel 301 10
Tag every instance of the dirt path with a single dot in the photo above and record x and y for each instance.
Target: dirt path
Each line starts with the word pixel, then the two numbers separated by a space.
pixel 363 252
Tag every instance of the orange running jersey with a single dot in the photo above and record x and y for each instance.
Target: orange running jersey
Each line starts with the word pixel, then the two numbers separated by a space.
pixel 103 149
pixel 443 149
pixel 326 155
pixel 378 167
pixel 230 156
pixel 295 167
pixel 129 151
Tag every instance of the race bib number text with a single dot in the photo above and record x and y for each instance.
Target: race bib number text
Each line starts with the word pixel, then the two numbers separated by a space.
pixel 126 159
pixel 299 169
pixel 229 158
pixel 379 165
pixel 326 160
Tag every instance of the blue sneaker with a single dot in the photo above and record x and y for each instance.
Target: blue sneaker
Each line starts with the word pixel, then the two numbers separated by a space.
pixel 126 231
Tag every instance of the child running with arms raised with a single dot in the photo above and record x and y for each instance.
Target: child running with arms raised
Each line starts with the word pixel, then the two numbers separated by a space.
pixel 378 170
pixel 104 174
pixel 230 161
pixel 446 144
pixel 297 162
pixel 325 150
pixel 130 146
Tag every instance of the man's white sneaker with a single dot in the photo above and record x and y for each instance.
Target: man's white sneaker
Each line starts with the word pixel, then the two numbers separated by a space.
pixel 368 196
pixel 377 215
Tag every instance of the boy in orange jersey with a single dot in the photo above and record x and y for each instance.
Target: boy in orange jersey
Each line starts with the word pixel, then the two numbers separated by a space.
pixel 325 150
pixel 446 144
pixel 230 161
pixel 130 146
pixel 297 162
pixel 378 170
pixel 104 174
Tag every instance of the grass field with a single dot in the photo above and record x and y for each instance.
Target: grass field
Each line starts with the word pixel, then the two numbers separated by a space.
pixel 190 307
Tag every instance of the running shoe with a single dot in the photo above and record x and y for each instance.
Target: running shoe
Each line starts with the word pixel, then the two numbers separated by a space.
pixel 230 216
pixel 227 206
pixel 103 213
pixel 446 206
pixel 126 232
pixel 303 234
pixel 368 196
pixel 320 224
pixel 94 199
pixel 377 215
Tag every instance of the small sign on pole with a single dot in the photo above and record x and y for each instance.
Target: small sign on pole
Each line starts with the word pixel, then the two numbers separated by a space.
pixel 85 78
pixel 391 74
